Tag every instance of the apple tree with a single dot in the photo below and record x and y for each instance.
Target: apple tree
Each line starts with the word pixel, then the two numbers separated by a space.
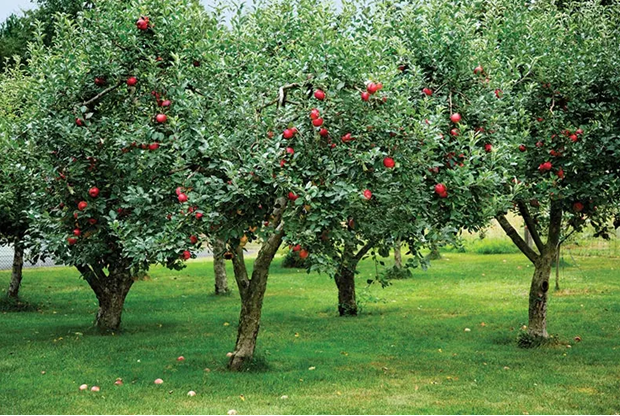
pixel 121 98
pixel 561 122
pixel 18 184
pixel 322 133
pixel 537 83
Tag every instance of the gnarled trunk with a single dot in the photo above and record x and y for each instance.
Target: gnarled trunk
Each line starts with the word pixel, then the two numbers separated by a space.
pixel 219 267
pixel 252 291
pixel 542 256
pixel 345 277
pixel 111 290
pixel 537 325
pixel 398 258
pixel 345 281
pixel 16 273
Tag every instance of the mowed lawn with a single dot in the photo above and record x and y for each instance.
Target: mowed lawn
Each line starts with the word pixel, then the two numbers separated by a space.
pixel 408 352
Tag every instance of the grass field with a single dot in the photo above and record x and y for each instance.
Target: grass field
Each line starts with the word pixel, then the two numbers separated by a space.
pixel 407 353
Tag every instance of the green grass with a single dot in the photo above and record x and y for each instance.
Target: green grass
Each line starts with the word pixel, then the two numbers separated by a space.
pixel 407 353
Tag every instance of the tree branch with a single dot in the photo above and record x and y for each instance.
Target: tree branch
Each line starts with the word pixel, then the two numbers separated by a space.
pixel 362 252
pixel 240 271
pixel 531 225
pixel 555 224
pixel 101 94
pixel 516 238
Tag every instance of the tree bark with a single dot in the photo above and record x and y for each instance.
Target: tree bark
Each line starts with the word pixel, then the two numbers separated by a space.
pixel 252 291
pixel 537 325
pixel 219 267
pixel 16 274
pixel 345 281
pixel 542 260
pixel 111 290
pixel 539 289
pixel 345 277
pixel 398 258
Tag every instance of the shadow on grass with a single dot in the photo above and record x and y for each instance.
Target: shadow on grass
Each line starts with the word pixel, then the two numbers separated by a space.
pixel 14 305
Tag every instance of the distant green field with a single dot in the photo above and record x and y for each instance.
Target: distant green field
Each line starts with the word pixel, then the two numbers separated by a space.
pixel 408 352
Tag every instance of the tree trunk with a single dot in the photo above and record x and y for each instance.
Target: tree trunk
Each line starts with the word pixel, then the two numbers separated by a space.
pixel 111 291
pixel 252 291
pixel 538 297
pixel 398 258
pixel 345 281
pixel 219 267
pixel 539 290
pixel 16 274
pixel 434 254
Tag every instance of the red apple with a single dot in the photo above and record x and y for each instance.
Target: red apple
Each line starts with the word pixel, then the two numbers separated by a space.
pixel 100 81
pixel 165 103
pixel 82 205
pixel 498 93
pixel 161 118
pixel 303 254
pixel 455 118
pixel 93 192
pixel 522 148
pixel 545 167
pixel 77 232
pixel 427 91
pixel 578 206
pixel 153 146
pixel 181 358
pixel 314 114
pixel 347 138
pixel 478 70
pixel 92 221
pixel 573 138
pixel 193 239
pixel 317 122
pixel 71 240
pixel 288 134
pixel 297 248
pixel 292 196
pixel 367 194
pixel 579 132
pixel 388 162
pixel 440 188
pixel 454 132
pixel 372 88
pixel 560 173
pixel 79 122
pixel 290 150
pixel 270 134
pixel 319 95
pixel 324 132
pixel 182 198
pixel 185 256
pixel 365 96
pixel 199 215
pixel 179 191
pixel 142 23
pixel 131 81
pixel 488 147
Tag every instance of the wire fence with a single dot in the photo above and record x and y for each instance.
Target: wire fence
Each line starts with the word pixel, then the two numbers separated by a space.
pixel 6 260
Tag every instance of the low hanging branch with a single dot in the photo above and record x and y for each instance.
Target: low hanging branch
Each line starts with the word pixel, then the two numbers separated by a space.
pixel 531 226
pixel 281 99
pixel 516 238
pixel 101 94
